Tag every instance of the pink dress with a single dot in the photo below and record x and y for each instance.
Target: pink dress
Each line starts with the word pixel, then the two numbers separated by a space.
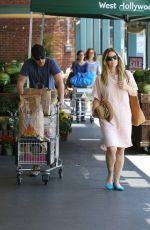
pixel 117 132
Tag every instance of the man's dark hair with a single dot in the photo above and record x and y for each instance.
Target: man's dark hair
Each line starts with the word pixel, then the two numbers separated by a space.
pixel 38 51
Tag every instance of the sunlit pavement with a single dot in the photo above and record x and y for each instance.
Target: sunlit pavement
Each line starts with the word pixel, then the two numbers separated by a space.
pixel 141 161
pixel 79 201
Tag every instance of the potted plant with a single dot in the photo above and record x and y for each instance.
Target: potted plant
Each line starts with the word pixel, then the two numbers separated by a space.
pixel 7 144
pixel 65 121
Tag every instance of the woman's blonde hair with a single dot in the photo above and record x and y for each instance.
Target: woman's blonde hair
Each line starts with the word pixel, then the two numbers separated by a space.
pixel 105 69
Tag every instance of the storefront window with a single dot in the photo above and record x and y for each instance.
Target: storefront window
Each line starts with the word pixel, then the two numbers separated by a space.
pixel 111 33
pixel 140 45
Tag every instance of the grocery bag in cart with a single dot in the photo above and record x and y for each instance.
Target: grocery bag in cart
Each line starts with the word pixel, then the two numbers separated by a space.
pixel 31 118
pixel 45 97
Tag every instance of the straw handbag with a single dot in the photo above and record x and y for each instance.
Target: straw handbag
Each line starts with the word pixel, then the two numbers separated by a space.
pixel 102 109
pixel 138 117
pixel 137 114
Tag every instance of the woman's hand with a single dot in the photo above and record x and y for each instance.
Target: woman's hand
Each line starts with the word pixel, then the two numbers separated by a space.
pixel 123 85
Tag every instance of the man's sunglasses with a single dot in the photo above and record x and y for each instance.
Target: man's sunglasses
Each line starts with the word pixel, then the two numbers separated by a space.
pixel 39 58
pixel 110 58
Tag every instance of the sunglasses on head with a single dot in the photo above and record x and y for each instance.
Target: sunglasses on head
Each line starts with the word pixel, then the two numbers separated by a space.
pixel 110 58
pixel 39 58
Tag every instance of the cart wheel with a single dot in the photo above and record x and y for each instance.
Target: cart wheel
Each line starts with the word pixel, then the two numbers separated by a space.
pixel 146 150
pixel 60 173
pixel 91 119
pixel 45 178
pixel 19 179
pixel 77 119
pixel 18 168
pixel 59 161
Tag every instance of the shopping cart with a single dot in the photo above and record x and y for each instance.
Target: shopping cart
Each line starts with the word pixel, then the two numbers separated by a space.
pixel 82 103
pixel 45 154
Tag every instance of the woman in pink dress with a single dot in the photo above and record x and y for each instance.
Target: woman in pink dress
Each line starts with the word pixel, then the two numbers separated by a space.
pixel 115 84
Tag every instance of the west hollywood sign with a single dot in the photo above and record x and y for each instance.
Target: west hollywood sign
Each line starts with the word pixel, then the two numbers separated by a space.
pixel 131 6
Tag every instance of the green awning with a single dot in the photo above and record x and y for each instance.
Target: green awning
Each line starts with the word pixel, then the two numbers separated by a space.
pixel 127 10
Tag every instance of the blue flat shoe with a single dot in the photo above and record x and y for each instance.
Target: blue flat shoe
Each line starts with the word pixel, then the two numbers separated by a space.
pixel 109 186
pixel 118 188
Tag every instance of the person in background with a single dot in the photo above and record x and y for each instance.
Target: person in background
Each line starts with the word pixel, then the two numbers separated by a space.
pixel 42 72
pixel 115 84
pixel 91 59
pixel 79 66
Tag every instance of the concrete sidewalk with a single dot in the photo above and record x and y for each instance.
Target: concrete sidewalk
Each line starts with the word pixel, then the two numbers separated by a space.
pixel 79 200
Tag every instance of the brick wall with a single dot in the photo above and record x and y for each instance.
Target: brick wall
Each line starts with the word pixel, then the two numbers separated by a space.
pixel 13 39
pixel 14 36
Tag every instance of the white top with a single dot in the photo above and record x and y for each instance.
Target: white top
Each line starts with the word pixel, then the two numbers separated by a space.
pixel 94 67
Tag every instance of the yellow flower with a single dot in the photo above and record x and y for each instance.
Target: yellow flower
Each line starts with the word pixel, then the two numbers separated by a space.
pixel 70 116
pixel 64 122
pixel 63 118
pixel 62 113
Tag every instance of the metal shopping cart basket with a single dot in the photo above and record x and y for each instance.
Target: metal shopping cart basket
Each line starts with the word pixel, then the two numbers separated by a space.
pixel 82 103
pixel 45 153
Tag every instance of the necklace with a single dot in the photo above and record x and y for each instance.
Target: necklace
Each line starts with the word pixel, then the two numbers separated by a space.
pixel 114 76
